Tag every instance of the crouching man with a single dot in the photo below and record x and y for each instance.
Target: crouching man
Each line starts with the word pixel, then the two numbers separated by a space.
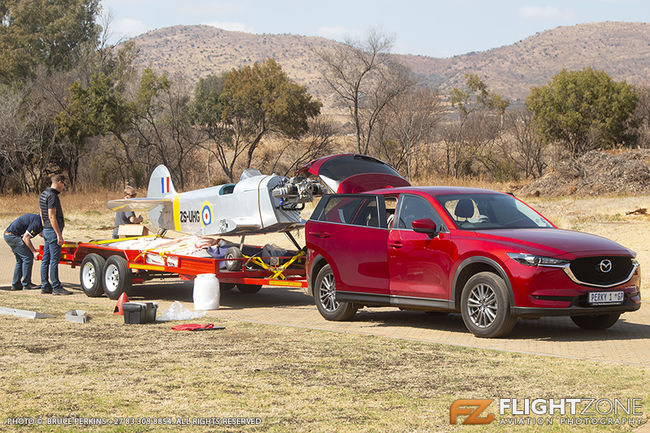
pixel 19 236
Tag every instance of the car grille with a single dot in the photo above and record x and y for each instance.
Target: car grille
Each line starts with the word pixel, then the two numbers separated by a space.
pixel 595 270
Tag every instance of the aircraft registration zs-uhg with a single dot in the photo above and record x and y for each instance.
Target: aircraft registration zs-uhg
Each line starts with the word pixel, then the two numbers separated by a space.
pixel 256 204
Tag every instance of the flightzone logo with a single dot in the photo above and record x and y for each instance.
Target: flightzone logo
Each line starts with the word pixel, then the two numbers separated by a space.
pixel 541 411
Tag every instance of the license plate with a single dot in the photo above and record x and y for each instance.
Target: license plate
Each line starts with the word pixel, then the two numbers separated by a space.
pixel 606 298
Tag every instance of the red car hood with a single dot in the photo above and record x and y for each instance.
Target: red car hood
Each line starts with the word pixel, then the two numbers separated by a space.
pixel 555 242
pixel 349 173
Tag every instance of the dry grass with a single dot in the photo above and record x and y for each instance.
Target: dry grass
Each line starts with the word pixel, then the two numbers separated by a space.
pixel 293 379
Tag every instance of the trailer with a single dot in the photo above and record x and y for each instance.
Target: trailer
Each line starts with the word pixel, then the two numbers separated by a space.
pixel 113 266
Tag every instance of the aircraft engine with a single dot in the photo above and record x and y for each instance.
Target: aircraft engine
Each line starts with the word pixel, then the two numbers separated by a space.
pixel 296 190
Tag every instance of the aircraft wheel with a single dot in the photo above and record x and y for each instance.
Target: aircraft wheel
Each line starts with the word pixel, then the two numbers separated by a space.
pixel 232 256
pixel 90 275
pixel 117 277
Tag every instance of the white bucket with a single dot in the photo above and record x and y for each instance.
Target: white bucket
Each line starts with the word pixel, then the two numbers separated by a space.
pixel 206 292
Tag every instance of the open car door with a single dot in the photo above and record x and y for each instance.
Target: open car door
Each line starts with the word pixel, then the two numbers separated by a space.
pixel 352 173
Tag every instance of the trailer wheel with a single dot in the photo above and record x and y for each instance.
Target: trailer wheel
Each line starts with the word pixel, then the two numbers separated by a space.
pixel 249 288
pixel 226 287
pixel 231 256
pixel 117 277
pixel 91 275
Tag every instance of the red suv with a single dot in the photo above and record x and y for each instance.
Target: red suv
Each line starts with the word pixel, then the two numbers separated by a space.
pixel 376 241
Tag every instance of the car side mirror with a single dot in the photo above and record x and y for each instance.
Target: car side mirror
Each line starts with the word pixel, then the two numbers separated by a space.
pixel 425 225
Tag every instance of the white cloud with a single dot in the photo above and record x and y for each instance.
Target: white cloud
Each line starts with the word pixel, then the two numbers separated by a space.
pixel 127 28
pixel 546 12
pixel 231 26
pixel 338 33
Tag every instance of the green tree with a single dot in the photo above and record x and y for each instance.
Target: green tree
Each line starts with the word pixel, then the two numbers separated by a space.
pixel 472 139
pixel 251 103
pixel 44 33
pixel 583 110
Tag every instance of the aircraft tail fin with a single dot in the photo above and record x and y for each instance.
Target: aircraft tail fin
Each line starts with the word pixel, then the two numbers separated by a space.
pixel 160 184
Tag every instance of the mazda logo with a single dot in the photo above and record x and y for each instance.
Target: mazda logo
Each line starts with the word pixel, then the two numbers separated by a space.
pixel 605 266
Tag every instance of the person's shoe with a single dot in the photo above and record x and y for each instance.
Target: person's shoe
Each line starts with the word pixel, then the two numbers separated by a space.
pixel 61 291
pixel 31 286
pixel 16 287
pixel 46 291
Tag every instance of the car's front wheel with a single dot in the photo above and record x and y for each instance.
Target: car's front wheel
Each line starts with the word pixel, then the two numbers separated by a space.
pixel 598 321
pixel 325 297
pixel 485 307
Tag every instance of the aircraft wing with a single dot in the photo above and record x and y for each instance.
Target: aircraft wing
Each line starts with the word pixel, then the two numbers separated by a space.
pixel 138 204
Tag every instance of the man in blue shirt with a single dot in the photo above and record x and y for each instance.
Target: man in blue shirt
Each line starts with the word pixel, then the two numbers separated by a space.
pixel 53 223
pixel 19 236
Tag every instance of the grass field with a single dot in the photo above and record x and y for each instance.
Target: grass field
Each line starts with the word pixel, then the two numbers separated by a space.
pixel 291 379
pixel 287 379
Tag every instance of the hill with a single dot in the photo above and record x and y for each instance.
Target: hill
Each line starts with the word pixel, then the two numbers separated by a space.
pixel 620 49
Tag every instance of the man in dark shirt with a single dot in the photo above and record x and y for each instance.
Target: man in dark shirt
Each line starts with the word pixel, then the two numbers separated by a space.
pixel 19 236
pixel 126 217
pixel 53 223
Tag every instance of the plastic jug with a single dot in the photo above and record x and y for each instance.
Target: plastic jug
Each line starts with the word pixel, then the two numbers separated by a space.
pixel 206 292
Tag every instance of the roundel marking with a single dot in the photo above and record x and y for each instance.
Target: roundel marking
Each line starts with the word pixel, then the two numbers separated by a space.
pixel 206 214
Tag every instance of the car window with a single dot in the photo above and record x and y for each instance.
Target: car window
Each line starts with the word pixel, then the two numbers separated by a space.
pixel 355 210
pixel 390 203
pixel 490 211
pixel 413 208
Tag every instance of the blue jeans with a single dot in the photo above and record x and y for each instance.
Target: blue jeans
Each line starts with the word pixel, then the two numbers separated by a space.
pixel 24 260
pixel 51 256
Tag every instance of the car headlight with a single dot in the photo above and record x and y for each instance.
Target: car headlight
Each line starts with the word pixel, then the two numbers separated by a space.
pixel 533 260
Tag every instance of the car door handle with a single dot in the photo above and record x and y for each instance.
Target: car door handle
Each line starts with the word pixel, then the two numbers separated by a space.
pixel 396 244
pixel 320 234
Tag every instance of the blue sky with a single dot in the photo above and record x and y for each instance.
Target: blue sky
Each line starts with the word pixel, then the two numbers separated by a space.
pixel 432 28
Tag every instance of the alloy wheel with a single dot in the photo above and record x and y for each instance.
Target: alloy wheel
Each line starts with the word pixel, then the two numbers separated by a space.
pixel 327 293
pixel 482 305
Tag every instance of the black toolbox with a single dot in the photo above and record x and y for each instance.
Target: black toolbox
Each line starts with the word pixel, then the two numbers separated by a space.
pixel 139 312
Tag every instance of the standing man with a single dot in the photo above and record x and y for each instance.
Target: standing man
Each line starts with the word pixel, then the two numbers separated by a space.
pixel 53 223
pixel 19 236
pixel 126 217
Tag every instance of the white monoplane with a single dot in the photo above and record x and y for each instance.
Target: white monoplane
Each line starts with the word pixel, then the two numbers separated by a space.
pixel 256 204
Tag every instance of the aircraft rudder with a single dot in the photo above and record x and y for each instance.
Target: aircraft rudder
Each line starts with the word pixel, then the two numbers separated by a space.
pixel 160 183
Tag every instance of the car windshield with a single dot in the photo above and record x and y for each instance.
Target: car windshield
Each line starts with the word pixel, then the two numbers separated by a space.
pixel 484 211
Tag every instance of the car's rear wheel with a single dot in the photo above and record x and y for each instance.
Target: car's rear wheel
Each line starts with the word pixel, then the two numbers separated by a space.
pixel 598 321
pixel 484 306
pixel 325 297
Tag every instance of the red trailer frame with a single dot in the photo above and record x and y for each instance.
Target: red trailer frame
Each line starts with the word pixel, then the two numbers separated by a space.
pixel 103 265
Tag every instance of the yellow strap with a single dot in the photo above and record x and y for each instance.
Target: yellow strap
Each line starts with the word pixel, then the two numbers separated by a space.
pixel 110 241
